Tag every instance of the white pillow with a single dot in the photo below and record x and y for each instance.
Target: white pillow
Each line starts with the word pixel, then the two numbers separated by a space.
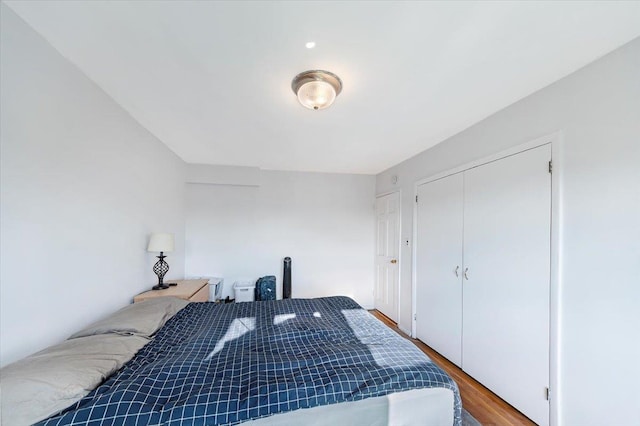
pixel 49 381
pixel 143 318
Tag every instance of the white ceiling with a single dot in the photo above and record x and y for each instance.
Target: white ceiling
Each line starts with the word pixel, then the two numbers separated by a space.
pixel 212 79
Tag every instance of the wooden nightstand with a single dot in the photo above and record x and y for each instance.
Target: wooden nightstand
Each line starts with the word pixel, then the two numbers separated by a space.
pixel 192 290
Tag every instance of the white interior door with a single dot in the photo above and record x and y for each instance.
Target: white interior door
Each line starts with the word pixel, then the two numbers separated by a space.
pixel 387 242
pixel 507 205
pixel 439 266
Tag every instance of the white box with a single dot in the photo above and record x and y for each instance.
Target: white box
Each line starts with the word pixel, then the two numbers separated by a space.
pixel 245 291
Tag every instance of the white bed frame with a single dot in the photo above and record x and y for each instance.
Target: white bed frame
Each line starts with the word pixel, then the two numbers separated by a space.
pixel 428 406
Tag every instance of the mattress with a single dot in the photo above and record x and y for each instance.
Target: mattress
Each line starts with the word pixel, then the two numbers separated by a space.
pixel 272 361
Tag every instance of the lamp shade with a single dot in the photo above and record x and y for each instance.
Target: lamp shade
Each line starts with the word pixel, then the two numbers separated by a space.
pixel 160 242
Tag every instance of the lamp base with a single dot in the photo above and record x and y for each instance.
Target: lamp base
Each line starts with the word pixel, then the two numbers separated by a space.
pixel 161 268
pixel 160 287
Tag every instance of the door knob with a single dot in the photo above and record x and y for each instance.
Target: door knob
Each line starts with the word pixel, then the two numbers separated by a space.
pixel 394 261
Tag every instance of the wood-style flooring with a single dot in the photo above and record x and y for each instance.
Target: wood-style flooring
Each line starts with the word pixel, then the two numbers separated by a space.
pixel 479 401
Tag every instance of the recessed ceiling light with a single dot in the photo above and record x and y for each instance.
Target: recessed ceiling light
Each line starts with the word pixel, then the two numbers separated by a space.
pixel 310 44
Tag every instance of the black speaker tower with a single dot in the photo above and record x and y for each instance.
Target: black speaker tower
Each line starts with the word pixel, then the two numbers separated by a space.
pixel 286 280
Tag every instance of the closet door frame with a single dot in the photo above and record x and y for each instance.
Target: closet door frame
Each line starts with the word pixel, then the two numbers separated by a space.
pixel 556 141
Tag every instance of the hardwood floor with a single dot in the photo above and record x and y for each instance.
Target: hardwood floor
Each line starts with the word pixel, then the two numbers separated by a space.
pixel 479 401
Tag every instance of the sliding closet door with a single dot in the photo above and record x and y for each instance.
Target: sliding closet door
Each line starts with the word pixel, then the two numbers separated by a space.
pixel 507 209
pixel 439 266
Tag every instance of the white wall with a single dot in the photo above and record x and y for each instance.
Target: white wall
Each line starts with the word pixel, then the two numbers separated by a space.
pixel 598 111
pixel 82 186
pixel 324 222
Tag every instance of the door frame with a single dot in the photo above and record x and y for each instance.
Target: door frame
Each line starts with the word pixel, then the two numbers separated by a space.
pixel 399 229
pixel 556 140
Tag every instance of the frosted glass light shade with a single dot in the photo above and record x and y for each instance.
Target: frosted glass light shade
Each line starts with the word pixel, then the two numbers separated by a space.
pixel 316 89
pixel 316 95
pixel 161 242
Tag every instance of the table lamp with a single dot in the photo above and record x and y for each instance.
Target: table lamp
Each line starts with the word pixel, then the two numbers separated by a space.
pixel 160 242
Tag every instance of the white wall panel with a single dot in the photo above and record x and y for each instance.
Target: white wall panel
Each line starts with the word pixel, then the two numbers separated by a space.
pixel 324 222
pixel 82 187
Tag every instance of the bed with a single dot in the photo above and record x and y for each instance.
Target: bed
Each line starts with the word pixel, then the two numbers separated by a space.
pixel 294 361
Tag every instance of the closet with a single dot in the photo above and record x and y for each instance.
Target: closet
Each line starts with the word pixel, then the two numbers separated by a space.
pixel 483 240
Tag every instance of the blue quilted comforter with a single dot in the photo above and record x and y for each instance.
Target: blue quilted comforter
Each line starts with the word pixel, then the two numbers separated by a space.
pixel 215 364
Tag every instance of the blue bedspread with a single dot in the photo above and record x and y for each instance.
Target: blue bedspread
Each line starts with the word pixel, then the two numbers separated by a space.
pixel 215 364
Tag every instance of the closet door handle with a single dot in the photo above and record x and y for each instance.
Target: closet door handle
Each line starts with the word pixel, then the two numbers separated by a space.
pixel 465 274
pixel 456 271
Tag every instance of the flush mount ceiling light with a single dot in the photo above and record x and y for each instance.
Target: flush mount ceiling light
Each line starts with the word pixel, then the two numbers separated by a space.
pixel 316 89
